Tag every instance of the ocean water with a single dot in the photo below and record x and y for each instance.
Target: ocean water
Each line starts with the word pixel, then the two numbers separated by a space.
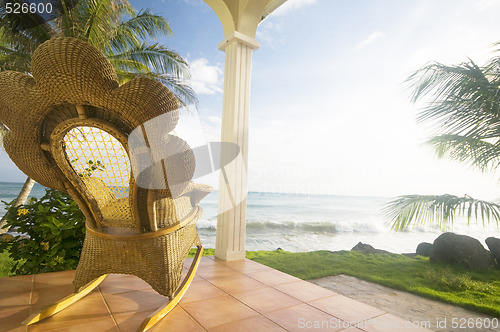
pixel 300 222
pixel 10 190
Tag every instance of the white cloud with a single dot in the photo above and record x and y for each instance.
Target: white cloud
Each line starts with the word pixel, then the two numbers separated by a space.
pixel 374 36
pixel 291 5
pixel 205 78
pixel 268 30
pixel 271 29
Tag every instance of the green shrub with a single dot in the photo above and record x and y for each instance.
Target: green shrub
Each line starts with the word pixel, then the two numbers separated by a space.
pixel 6 264
pixel 55 229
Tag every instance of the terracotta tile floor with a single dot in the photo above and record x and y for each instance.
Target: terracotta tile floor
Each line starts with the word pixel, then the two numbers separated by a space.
pixel 224 296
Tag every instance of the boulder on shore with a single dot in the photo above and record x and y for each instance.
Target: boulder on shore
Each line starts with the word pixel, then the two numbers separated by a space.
pixel 452 248
pixel 368 249
pixel 424 249
pixel 494 244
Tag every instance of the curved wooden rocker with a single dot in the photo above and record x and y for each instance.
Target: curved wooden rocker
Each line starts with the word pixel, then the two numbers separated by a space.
pixel 164 310
pixel 149 322
pixel 73 128
pixel 64 303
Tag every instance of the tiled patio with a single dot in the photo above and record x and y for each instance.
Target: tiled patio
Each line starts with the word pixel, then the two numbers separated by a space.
pixel 224 296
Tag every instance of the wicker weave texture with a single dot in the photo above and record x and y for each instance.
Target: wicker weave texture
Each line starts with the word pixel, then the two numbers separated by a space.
pixel 69 129
pixel 68 72
pixel 102 164
pixel 158 261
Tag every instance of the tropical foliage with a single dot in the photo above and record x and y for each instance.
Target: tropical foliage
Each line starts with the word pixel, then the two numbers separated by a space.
pixel 464 112
pixel 114 27
pixel 55 229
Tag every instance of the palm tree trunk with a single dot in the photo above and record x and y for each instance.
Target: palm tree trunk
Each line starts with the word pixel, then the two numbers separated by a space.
pixel 21 199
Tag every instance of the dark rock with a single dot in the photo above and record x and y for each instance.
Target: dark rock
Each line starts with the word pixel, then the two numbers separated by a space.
pixel 368 249
pixel 424 249
pixel 460 249
pixel 6 237
pixel 494 244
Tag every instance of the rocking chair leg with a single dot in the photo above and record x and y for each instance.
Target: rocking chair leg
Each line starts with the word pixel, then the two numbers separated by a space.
pixel 64 303
pixel 156 316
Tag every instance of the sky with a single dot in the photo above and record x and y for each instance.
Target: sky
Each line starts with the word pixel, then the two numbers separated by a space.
pixel 329 109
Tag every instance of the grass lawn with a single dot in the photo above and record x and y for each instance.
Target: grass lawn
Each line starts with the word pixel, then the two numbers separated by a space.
pixel 475 290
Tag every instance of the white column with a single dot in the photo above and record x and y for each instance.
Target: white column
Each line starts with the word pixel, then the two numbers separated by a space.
pixel 231 220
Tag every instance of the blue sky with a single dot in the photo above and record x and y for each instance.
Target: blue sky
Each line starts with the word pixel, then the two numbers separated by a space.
pixel 329 110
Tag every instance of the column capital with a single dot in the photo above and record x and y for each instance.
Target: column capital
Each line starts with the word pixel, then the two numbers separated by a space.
pixel 241 38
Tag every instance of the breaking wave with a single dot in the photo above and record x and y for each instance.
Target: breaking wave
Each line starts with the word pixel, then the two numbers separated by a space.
pixel 315 227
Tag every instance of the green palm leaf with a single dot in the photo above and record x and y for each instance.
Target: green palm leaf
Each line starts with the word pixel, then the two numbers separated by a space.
pixel 112 26
pixel 427 210
pixel 463 108
pixel 157 57
pixel 163 64
pixel 142 26
pixel 464 99
pixel 484 154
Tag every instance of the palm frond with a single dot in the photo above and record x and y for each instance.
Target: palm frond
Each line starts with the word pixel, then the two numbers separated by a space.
pixel 182 91
pixel 98 19
pixel 112 26
pixel 30 25
pixel 483 154
pixel 15 62
pixel 129 34
pixel 158 58
pixel 442 80
pixel 463 109
pixel 129 65
pixel 462 96
pixel 412 210
pixel 20 35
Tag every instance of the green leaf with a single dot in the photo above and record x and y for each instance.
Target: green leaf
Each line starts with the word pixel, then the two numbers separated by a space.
pixel 61 224
pixel 413 210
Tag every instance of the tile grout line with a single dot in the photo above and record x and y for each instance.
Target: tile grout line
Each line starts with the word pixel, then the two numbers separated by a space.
pixel 109 309
pixel 342 320
pixel 31 294
pixel 197 322
pixel 177 305
pixel 31 299
pixel 258 313
pixel 273 286
pixel 372 318
pixel 311 307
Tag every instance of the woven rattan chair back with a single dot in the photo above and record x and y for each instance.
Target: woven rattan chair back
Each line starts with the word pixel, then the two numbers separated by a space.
pixel 70 126
pixel 100 166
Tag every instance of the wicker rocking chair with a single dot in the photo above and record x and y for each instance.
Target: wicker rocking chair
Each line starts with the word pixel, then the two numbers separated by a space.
pixel 73 128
